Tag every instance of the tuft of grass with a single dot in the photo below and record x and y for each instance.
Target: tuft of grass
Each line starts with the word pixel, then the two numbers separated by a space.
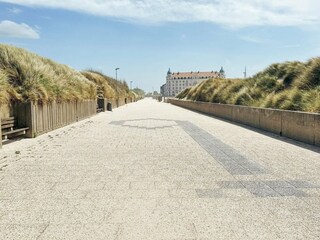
pixel 108 87
pixel 25 76
pixel 104 90
pixel 310 78
pixel 290 85
pixel 6 91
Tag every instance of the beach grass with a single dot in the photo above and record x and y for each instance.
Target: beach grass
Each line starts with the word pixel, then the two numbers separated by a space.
pixel 25 76
pixel 288 86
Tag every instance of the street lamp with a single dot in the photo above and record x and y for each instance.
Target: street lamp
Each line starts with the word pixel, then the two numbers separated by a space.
pixel 131 85
pixel 117 73
pixel 117 86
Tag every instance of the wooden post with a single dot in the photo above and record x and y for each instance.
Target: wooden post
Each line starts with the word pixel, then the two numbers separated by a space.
pixel 0 134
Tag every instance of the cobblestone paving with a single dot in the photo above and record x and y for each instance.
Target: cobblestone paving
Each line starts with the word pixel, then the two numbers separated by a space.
pixel 151 170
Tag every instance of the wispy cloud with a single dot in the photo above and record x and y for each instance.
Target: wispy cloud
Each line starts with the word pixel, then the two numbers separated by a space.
pixel 15 10
pixel 292 46
pixel 252 39
pixel 229 13
pixel 15 30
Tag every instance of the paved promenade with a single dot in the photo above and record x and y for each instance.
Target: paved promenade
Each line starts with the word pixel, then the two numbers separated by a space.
pixel 151 170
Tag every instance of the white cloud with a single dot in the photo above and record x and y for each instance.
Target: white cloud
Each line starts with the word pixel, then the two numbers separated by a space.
pixel 230 13
pixel 15 30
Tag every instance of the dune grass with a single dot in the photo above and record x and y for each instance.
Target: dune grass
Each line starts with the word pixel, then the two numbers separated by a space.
pixel 25 76
pixel 6 92
pixel 108 87
pixel 289 86
pixel 139 93
pixel 103 87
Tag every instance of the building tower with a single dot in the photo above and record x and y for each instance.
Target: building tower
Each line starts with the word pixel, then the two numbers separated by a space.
pixel 166 86
pixel 222 73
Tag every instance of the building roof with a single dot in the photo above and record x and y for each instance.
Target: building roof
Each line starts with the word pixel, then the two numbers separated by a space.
pixel 211 74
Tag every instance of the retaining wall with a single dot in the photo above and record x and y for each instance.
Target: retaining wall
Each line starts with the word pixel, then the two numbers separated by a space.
pixel 42 118
pixel 102 103
pixel 301 126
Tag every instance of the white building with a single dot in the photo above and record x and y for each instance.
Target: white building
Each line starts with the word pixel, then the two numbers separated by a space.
pixel 177 82
pixel 163 90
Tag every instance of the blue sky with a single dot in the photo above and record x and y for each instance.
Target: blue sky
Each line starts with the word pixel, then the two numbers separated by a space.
pixel 146 37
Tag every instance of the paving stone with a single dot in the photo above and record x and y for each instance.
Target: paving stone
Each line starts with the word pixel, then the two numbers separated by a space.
pixel 237 164
pixel 278 184
pixel 303 184
pixel 209 193
pixel 259 189
pixel 291 192
pixel 230 184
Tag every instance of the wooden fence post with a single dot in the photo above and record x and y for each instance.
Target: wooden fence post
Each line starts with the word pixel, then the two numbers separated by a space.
pixel 0 134
pixel 30 119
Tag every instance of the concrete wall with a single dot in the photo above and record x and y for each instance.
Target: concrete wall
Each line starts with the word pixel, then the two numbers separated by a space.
pixel 102 103
pixel 245 115
pixel 304 127
pixel 317 129
pixel 298 125
pixel 223 111
pixel 114 102
pixel 271 120
pixel 121 101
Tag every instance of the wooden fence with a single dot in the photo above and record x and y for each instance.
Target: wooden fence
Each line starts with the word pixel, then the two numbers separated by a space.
pixel 42 118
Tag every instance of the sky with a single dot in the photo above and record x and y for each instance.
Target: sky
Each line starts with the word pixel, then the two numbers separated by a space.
pixel 144 38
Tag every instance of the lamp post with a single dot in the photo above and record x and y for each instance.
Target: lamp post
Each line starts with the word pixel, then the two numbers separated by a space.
pixel 117 86
pixel 131 85
pixel 117 73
